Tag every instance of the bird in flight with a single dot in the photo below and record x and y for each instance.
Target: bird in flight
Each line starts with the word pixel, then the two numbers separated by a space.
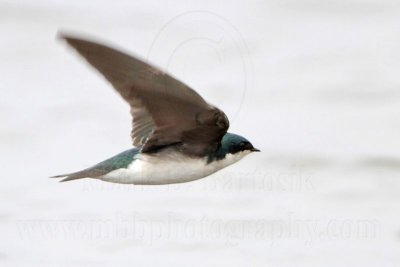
pixel 176 135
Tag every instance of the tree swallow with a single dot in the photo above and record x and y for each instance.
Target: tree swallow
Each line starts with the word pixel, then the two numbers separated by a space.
pixel 177 136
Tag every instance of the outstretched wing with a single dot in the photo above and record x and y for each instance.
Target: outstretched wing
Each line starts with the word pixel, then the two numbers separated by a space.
pixel 164 110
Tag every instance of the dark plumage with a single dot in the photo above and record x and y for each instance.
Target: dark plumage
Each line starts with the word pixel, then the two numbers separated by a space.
pixel 164 110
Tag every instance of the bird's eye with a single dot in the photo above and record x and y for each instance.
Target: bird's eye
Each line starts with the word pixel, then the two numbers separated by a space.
pixel 242 144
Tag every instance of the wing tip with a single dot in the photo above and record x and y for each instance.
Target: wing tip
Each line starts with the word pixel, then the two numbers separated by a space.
pixel 67 36
pixel 71 37
pixel 64 35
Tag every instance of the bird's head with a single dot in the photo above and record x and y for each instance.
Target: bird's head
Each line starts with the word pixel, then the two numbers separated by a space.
pixel 234 143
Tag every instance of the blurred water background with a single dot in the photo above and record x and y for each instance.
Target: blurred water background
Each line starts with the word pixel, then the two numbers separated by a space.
pixel 313 84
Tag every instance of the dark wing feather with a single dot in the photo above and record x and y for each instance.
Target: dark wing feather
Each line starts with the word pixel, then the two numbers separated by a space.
pixel 165 111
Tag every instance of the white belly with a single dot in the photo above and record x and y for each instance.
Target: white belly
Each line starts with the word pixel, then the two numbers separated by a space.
pixel 168 168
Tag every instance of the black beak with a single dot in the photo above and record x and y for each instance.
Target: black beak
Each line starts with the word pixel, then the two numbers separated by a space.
pixel 255 150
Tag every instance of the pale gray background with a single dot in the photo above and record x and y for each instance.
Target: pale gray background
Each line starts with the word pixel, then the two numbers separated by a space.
pixel 314 84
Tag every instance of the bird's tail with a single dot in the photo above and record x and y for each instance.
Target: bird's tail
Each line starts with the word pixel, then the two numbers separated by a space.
pixel 71 176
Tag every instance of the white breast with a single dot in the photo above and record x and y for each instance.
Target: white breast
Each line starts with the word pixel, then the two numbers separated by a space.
pixel 168 168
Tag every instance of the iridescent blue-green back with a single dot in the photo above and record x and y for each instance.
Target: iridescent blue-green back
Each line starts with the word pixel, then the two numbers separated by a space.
pixel 121 160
